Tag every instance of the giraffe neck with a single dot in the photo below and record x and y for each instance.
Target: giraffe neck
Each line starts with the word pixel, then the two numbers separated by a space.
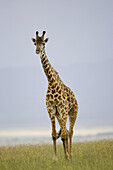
pixel 48 69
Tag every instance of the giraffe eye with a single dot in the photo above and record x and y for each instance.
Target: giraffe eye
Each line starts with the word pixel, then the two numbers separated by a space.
pixel 34 43
pixel 43 43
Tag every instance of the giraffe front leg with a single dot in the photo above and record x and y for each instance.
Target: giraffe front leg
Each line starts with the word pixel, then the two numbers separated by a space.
pixel 72 119
pixel 54 137
pixel 70 144
pixel 51 112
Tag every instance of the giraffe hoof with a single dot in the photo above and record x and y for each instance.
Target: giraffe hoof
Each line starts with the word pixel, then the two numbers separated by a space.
pixel 70 157
pixel 54 159
pixel 67 157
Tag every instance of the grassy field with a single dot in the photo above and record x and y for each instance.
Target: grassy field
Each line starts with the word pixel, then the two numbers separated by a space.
pixel 88 155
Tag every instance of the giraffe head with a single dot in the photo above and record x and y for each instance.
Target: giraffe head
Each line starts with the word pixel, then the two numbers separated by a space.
pixel 40 42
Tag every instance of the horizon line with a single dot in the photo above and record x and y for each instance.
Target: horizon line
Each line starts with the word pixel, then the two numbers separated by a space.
pixel 46 132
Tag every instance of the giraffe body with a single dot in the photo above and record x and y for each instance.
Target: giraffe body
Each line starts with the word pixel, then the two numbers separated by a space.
pixel 60 100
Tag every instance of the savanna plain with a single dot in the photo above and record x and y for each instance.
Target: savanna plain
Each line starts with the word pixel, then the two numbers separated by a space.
pixel 86 155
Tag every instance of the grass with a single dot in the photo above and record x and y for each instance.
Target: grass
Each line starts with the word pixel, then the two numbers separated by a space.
pixel 87 155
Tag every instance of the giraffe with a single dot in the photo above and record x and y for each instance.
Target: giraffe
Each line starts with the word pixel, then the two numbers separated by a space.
pixel 60 100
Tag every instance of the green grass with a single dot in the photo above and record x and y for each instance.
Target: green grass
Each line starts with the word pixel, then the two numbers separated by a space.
pixel 87 155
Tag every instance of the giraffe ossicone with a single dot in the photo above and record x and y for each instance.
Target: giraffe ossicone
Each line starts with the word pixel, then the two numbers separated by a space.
pixel 60 100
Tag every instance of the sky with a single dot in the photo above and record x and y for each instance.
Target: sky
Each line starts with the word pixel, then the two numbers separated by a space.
pixel 80 48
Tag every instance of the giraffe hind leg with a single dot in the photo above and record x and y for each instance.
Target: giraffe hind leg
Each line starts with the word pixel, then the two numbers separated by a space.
pixel 64 135
pixel 65 146
pixel 72 119
pixel 67 152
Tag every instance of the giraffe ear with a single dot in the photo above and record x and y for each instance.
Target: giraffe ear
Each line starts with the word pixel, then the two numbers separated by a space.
pixel 46 40
pixel 34 41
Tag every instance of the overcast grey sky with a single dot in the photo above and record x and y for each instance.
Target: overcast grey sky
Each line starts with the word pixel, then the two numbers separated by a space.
pixel 80 48
pixel 79 31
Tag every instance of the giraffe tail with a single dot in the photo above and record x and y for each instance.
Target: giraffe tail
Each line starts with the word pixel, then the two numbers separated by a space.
pixel 59 133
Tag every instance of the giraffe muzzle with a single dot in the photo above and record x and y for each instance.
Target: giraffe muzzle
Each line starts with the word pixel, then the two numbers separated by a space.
pixel 37 51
